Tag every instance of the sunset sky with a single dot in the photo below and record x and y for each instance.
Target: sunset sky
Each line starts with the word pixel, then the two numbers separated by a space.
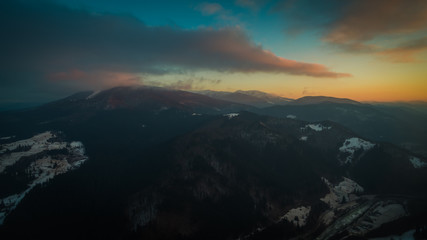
pixel 366 50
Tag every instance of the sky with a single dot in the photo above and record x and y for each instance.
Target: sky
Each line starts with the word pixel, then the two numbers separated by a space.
pixel 366 50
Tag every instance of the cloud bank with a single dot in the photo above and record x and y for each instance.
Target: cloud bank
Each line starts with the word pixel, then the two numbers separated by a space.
pixel 360 25
pixel 63 43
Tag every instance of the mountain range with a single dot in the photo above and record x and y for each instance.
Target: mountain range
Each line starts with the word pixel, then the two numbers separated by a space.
pixel 400 123
pixel 153 163
pixel 253 98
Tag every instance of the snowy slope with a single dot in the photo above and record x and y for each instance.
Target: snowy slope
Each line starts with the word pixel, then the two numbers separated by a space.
pixel 43 168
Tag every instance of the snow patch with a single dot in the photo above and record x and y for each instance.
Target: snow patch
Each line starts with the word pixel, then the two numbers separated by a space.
pixel 290 116
pixel 78 148
pixel 6 138
pixel 42 169
pixel 316 127
pixel 417 163
pixel 380 213
pixel 231 115
pixel 196 114
pixel 297 216
pixel 328 218
pixel 351 145
pixel 31 146
pixel 341 193
pixel 303 138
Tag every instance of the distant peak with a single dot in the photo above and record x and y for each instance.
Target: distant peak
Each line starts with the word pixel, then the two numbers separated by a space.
pixel 257 93
pixel 323 99
pixel 249 97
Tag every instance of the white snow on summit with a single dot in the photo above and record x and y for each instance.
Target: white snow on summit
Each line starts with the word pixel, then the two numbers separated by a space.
pixel 290 116
pixel 351 145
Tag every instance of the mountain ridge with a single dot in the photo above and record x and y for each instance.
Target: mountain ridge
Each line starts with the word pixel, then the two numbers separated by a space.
pixel 163 164
pixel 323 99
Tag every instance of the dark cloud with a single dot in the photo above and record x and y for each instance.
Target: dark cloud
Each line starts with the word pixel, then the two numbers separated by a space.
pixel 405 52
pixel 364 20
pixel 302 15
pixel 353 24
pixel 50 37
pixel 61 44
